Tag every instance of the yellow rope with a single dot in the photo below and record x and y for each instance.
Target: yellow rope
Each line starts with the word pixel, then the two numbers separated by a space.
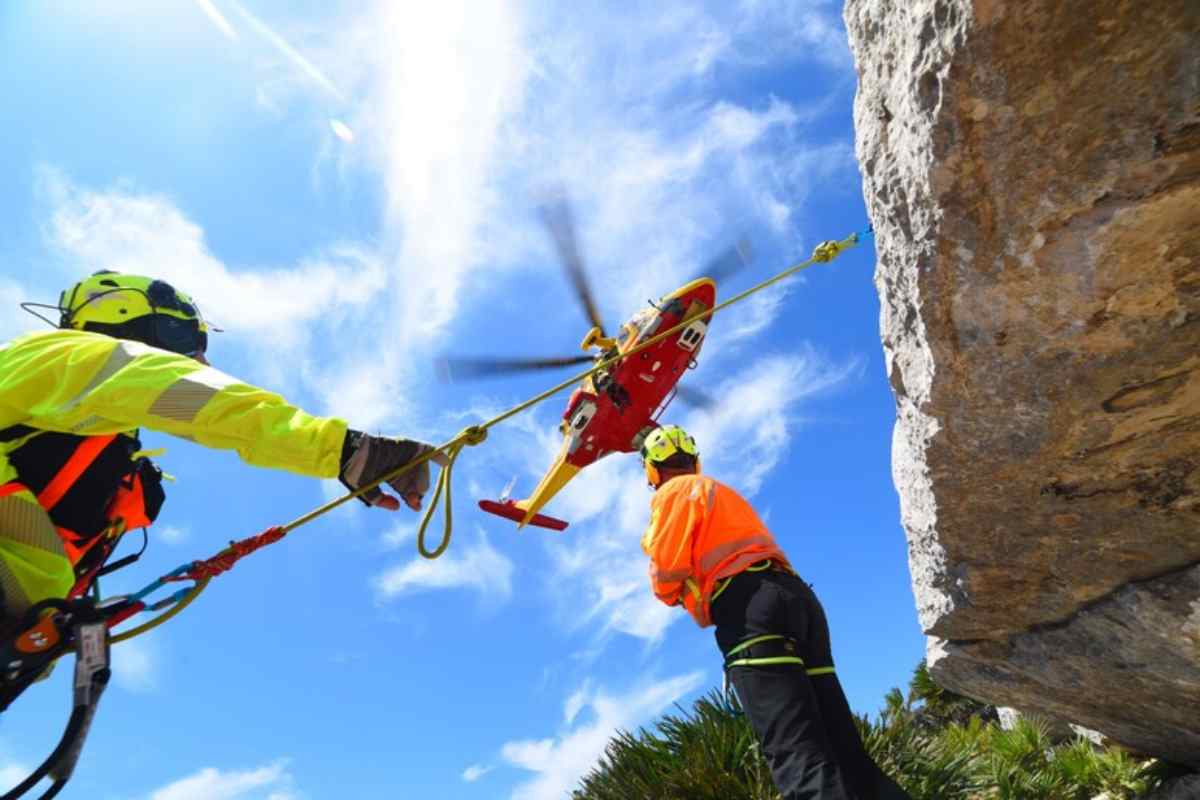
pixel 822 253
pixel 183 603
pixel 476 434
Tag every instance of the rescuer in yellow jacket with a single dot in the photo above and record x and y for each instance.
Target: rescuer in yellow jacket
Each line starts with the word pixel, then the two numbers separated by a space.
pixel 130 353
pixel 710 553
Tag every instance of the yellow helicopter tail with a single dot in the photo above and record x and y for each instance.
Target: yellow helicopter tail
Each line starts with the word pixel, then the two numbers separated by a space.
pixel 559 475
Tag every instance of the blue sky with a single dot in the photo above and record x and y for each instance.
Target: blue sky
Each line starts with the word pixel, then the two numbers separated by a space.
pixel 350 190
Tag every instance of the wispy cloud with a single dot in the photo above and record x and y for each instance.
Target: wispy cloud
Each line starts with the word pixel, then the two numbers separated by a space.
pixel 135 666
pixel 13 772
pixel 561 760
pixel 171 534
pixel 277 312
pixel 269 782
pixel 291 53
pixel 477 566
pixel 749 431
pixel 218 19
pixel 475 772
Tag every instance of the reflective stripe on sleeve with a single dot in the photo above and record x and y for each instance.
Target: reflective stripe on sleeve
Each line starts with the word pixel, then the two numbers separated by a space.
pixel 182 400
pixel 121 356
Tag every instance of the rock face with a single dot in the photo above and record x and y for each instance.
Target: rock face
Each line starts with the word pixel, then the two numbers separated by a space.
pixel 1033 172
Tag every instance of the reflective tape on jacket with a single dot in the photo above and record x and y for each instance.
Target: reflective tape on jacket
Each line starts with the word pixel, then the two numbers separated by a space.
pixel 723 551
pixel 90 384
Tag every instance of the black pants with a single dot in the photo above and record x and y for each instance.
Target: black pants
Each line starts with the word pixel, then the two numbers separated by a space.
pixel 803 722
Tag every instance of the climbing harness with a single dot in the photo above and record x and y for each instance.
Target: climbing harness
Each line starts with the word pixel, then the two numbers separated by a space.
pixel 765 650
pixel 83 625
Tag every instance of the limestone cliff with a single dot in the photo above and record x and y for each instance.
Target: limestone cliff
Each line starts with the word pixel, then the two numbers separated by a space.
pixel 1033 173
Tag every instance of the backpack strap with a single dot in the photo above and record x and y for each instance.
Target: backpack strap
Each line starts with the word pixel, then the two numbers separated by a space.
pixel 87 452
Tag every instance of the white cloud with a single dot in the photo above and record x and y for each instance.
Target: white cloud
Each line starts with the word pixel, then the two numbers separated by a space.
pixel 734 127
pixel 793 30
pixel 13 772
pixel 135 665
pixel 477 566
pixel 269 782
pixel 129 230
pixel 399 534
pixel 275 312
pixel 560 761
pixel 437 142
pixel 171 534
pixel 749 431
pixel 475 772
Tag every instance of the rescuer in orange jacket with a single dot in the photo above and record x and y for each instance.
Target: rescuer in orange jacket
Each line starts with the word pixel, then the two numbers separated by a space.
pixel 710 553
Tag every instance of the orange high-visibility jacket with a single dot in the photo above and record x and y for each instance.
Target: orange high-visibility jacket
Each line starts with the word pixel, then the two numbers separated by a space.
pixel 700 532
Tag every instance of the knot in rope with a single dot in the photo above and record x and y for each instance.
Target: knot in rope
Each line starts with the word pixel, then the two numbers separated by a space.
pixel 467 437
pixel 827 251
pixel 476 434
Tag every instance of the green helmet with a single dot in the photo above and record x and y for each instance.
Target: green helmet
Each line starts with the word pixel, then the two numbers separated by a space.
pixel 662 443
pixel 135 307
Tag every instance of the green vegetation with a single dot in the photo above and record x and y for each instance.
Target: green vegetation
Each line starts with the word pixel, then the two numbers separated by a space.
pixel 937 744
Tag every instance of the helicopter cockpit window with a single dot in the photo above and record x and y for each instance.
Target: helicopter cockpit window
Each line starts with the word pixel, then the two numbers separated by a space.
pixel 583 416
pixel 643 324
pixel 574 427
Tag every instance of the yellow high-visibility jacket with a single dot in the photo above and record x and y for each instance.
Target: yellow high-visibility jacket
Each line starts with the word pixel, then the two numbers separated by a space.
pixel 91 384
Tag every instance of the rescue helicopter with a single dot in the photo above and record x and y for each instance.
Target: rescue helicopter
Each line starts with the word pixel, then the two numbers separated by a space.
pixel 614 409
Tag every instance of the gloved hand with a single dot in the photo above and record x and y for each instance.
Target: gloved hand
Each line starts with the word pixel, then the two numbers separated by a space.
pixel 365 458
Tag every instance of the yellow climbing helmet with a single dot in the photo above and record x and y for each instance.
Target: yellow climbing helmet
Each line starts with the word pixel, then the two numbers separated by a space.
pixel 135 307
pixel 661 445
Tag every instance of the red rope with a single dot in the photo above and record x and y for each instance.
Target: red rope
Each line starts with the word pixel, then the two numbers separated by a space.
pixel 224 560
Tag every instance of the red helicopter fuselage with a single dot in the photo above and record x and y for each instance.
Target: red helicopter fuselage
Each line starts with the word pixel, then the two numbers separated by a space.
pixel 614 409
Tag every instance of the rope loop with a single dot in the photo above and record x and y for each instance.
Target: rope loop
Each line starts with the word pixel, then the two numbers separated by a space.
pixel 467 437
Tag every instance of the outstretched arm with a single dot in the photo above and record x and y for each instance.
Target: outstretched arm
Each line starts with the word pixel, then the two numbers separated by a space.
pixel 88 383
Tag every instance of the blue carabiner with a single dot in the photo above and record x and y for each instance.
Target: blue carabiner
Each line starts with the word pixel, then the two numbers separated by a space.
pixel 158 584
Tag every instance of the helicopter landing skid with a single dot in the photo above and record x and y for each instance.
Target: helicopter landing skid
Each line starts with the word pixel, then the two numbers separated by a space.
pixel 510 510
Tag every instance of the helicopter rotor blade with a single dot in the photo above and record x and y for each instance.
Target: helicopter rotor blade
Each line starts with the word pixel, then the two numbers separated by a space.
pixel 694 397
pixel 731 260
pixel 559 220
pixel 453 369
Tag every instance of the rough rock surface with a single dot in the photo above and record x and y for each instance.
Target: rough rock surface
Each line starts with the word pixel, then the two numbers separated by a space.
pixel 1033 173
